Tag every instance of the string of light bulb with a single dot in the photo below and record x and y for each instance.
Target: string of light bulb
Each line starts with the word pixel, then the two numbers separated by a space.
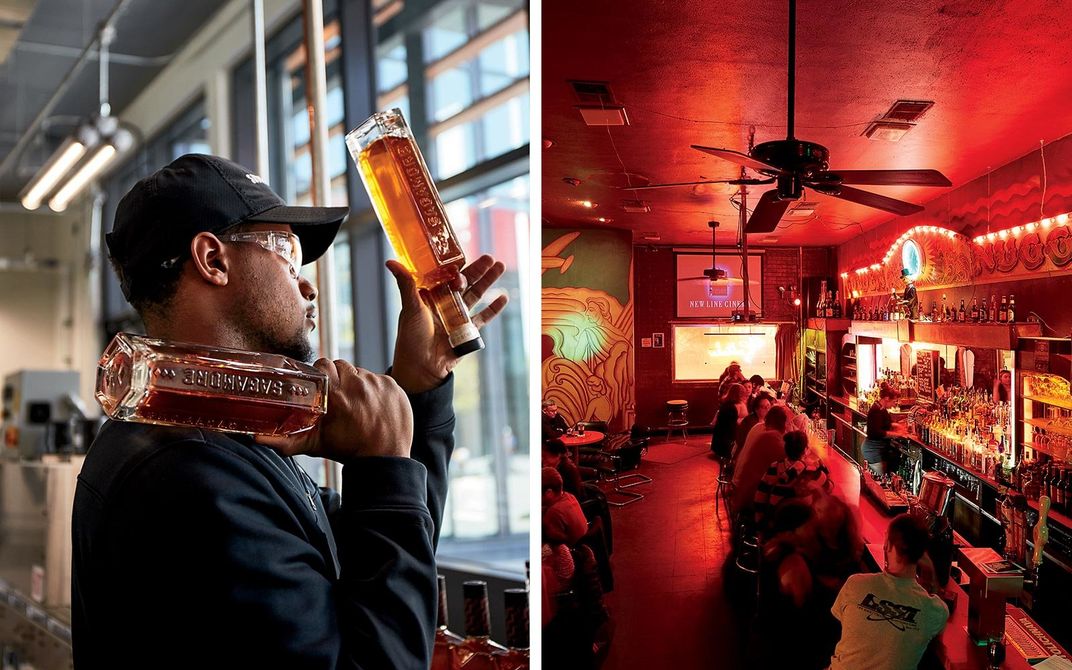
pixel 1016 231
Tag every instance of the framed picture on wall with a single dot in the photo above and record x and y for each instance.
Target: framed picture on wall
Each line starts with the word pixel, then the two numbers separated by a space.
pixel 657 340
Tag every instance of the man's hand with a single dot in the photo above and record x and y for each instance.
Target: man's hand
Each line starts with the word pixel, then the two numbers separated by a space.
pixel 423 355
pixel 368 415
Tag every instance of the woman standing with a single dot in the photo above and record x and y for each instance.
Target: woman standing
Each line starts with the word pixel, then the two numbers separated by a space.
pixel 877 447
pixel 732 411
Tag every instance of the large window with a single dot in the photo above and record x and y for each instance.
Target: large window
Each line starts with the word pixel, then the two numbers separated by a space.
pixel 459 72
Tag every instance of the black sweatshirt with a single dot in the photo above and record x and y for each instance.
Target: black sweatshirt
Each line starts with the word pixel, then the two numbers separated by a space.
pixel 199 549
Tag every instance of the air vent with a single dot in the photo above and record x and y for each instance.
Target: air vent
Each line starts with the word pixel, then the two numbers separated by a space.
pixel 891 131
pixel 650 236
pixel 908 111
pixel 593 93
pixel 636 206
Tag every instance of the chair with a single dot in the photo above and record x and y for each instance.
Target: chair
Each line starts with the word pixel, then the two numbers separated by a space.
pixel 677 418
pixel 612 461
pixel 724 484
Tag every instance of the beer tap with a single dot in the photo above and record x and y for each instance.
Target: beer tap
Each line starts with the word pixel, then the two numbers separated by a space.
pixel 1040 537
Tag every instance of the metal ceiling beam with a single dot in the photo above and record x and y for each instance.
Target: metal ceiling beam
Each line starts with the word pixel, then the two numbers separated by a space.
pixel 27 135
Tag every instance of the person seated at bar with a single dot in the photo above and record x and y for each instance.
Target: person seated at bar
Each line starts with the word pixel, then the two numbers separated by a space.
pixel 877 449
pixel 731 375
pixel 791 477
pixel 554 424
pixel 758 407
pixel 887 618
pixel 764 445
pixel 794 626
pixel 731 412
pixel 760 386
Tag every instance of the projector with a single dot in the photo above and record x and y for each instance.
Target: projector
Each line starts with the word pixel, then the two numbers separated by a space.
pixel 742 316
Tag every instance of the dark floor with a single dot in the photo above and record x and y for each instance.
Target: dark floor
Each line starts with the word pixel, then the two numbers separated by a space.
pixel 668 604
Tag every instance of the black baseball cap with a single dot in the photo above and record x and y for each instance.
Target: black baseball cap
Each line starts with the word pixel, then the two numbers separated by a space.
pixel 196 193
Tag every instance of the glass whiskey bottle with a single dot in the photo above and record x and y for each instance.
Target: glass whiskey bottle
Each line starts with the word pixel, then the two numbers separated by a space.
pixel 413 217
pixel 172 383
pixel 446 642
pixel 477 651
pixel 516 656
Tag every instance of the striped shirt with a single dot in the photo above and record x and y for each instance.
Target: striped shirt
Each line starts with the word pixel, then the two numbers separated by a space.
pixel 790 479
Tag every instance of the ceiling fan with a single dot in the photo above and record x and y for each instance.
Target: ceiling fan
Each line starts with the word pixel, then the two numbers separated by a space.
pixel 714 273
pixel 793 164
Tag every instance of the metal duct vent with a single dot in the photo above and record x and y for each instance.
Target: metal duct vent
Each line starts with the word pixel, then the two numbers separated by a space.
pixel 908 111
pixel 597 106
pixel 636 206
pixel 593 92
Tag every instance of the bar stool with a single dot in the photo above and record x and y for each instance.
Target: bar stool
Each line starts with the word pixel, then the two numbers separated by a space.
pixel 724 485
pixel 677 418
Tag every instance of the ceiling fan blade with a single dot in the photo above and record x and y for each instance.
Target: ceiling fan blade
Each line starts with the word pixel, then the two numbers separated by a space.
pixel 767 214
pixel 875 200
pixel 892 177
pixel 680 183
pixel 691 278
pixel 738 158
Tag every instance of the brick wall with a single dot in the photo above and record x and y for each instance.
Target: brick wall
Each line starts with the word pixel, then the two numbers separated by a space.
pixel 653 299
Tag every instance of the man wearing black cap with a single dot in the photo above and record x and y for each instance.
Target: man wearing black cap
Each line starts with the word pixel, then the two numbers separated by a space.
pixel 195 548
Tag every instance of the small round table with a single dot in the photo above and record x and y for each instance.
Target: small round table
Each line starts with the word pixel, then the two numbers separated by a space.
pixel 575 442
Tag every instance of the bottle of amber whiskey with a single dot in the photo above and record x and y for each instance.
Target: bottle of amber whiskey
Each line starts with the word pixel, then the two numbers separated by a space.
pixel 172 383
pixel 413 217
pixel 516 656
pixel 446 642
pixel 477 652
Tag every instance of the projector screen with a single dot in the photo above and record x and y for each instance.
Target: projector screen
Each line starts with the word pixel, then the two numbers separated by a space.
pixel 702 351
pixel 700 298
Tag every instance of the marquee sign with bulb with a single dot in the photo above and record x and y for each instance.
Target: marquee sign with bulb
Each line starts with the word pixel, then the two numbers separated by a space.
pixel 937 257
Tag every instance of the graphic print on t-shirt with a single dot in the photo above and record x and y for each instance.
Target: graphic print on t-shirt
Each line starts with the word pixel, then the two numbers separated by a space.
pixel 900 617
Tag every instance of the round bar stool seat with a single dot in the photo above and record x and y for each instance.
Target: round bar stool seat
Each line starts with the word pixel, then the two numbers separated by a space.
pixel 677 418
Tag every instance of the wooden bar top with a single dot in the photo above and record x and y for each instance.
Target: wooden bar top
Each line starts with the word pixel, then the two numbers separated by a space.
pixel 957 651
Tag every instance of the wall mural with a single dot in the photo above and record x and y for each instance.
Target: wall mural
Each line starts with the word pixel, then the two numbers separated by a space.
pixel 587 325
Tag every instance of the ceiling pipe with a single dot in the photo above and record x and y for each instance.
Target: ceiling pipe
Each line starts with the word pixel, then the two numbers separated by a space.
pixel 31 130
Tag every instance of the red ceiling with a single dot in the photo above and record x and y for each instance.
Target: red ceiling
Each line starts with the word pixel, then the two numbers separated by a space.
pixel 700 72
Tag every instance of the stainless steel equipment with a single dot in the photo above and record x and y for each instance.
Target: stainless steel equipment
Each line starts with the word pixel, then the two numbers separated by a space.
pixel 36 502
pixel 935 492
pixel 993 582
pixel 42 413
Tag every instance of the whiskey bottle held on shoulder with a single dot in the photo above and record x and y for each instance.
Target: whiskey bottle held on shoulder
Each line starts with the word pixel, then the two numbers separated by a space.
pixel 413 217
pixel 172 383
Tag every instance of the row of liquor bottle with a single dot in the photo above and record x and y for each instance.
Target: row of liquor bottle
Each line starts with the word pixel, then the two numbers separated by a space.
pixel 970 429
pixel 1035 477
pixel 894 310
pixel 476 650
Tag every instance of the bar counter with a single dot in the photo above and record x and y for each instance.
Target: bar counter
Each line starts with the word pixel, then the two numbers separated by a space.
pixel 956 650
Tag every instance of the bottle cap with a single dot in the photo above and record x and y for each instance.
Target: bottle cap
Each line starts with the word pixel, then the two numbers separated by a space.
pixel 465 339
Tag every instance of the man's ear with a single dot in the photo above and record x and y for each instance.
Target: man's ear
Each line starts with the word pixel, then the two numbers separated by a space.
pixel 210 258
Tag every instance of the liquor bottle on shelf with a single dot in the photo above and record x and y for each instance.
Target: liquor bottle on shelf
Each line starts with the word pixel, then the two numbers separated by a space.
pixel 446 642
pixel 155 381
pixel 1012 308
pixel 961 313
pixel 1066 492
pixel 984 317
pixel 934 311
pixel 837 304
pixel 1003 311
pixel 829 305
pixel 820 306
pixel 945 310
pixel 975 310
pixel 412 214
pixel 516 656
pixel 477 651
pixel 993 314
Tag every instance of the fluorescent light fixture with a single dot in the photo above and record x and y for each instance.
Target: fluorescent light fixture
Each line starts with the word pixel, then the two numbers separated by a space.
pixel 90 169
pixel 69 153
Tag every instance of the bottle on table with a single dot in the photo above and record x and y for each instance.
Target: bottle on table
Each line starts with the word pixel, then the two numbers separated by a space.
pixel 516 656
pixel 172 383
pixel 477 651
pixel 412 214
pixel 446 642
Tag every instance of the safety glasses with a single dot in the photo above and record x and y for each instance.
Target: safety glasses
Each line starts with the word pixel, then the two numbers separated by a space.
pixel 279 242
